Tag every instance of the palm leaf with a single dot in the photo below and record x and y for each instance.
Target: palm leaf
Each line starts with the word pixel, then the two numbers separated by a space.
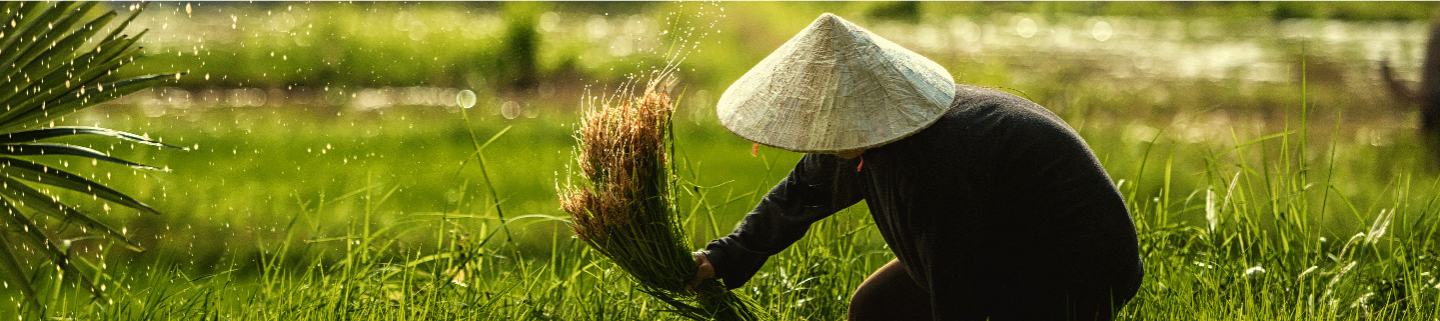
pixel 48 42
pixel 13 273
pixel 65 131
pixel 57 58
pixel 42 174
pixel 66 104
pixel 36 237
pixel 57 253
pixel 31 198
pixel 19 41
pixel 55 72
pixel 65 150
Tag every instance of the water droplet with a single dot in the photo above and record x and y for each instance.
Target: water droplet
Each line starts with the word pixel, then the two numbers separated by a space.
pixel 1026 27
pixel 1102 30
pixel 465 98
pixel 510 109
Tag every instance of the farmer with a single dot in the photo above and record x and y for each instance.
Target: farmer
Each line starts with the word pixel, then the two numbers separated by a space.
pixel 995 209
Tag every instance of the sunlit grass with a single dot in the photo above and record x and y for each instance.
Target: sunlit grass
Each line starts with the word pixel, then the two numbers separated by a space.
pixel 1254 200
pixel 1263 226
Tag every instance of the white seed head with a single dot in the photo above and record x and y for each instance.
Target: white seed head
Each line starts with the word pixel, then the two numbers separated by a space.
pixel 1254 272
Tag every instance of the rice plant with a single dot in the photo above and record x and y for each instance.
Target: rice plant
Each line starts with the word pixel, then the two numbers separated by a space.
pixel 623 206
pixel 55 60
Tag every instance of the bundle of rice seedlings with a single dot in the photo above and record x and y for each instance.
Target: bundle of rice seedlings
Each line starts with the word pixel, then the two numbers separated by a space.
pixel 622 203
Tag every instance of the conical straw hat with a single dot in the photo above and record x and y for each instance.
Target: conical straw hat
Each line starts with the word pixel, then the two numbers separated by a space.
pixel 836 87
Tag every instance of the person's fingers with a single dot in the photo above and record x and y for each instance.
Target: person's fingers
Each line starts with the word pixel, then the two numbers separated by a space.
pixel 703 271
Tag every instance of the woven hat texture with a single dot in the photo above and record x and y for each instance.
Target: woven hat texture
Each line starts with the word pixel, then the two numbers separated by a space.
pixel 834 87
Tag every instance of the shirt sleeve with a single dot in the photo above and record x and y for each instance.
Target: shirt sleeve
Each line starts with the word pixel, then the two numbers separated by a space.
pixel 819 186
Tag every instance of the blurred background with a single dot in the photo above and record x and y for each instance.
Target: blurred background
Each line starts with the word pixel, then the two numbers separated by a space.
pixel 294 111
pixel 340 54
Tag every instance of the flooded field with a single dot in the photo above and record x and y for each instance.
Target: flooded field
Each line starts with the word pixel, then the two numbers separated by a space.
pixel 1124 48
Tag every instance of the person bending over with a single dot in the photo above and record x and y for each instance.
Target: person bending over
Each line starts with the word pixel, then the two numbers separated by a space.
pixel 995 208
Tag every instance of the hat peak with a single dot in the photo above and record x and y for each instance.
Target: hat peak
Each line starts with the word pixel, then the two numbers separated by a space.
pixel 831 22
pixel 828 18
pixel 835 32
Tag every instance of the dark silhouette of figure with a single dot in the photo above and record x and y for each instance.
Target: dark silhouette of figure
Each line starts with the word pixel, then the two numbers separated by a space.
pixel 994 208
pixel 997 211
pixel 1428 95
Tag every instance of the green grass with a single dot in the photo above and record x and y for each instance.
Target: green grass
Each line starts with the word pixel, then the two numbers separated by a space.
pixel 265 222
pixel 320 213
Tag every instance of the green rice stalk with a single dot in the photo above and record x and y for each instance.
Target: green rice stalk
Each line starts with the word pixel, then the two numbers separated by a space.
pixel 623 206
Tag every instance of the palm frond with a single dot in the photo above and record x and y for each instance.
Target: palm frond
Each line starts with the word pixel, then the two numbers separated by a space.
pixel 28 197
pixel 34 172
pixel 13 273
pixel 57 58
pixel 66 131
pixel 41 149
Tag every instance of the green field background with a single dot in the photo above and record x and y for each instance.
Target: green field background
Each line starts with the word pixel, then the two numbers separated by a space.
pixel 301 198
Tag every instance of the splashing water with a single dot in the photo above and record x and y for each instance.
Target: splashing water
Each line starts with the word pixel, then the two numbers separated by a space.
pixel 465 98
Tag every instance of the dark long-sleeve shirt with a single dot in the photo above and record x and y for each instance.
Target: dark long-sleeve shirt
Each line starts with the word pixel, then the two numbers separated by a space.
pixel 996 208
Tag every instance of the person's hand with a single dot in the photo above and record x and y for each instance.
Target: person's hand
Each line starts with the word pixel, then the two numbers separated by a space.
pixel 703 271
